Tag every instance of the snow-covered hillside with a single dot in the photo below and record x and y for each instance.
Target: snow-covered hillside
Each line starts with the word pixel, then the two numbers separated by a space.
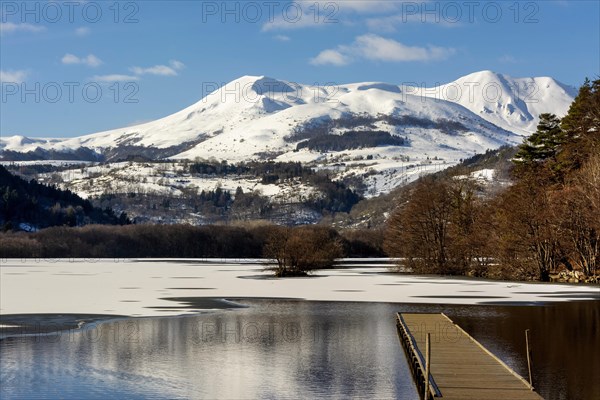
pixel 256 114
pixel 511 103
pixel 382 133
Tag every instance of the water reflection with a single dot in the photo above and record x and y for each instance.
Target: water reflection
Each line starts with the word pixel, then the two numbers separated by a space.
pixel 290 349
pixel 565 345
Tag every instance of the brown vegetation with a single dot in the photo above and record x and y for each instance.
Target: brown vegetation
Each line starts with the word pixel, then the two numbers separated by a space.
pixel 547 221
pixel 439 228
pixel 297 251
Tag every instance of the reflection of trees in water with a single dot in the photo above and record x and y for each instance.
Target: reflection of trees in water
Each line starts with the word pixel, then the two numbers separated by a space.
pixel 565 339
pixel 281 348
pixel 272 349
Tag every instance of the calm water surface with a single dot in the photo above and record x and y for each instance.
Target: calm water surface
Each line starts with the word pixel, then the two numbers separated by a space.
pixel 289 350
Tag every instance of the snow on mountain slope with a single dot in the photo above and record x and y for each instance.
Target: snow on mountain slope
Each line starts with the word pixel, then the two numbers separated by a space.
pixel 511 103
pixel 263 118
pixel 22 143
pixel 255 114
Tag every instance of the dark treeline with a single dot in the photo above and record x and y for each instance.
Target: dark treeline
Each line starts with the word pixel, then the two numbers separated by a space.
pixel 350 140
pixel 545 224
pixel 445 125
pixel 217 168
pixel 219 203
pixel 336 196
pixel 173 241
pixel 270 171
pixel 80 154
pixel 31 170
pixel 324 126
pixel 217 197
pixel 41 205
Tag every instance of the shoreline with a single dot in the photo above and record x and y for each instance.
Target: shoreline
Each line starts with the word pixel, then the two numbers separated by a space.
pixel 89 291
pixel 14 326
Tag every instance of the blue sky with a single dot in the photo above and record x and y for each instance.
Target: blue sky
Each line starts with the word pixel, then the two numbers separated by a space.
pixel 72 68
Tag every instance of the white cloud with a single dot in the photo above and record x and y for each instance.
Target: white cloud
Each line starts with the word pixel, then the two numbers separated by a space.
pixel 11 27
pixel 156 70
pixel 12 76
pixel 82 31
pixel 90 60
pixel 177 64
pixel 304 21
pixel 162 70
pixel 114 78
pixel 282 38
pixel 376 48
pixel 331 57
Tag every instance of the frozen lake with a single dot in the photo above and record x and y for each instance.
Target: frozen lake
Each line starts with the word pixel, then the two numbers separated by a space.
pixel 152 287
pixel 332 335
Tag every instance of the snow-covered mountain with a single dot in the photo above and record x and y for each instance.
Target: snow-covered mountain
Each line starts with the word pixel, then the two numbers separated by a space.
pixel 401 131
pixel 511 103
pixel 258 114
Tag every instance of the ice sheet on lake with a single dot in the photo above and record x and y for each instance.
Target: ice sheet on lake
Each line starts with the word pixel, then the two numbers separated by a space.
pixel 141 287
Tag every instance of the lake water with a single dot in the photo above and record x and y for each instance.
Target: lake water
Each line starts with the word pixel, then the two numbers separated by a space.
pixel 332 335
pixel 290 349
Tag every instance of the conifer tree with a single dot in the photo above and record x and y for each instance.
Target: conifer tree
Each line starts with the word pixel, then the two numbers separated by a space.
pixel 581 126
pixel 543 144
pixel 579 119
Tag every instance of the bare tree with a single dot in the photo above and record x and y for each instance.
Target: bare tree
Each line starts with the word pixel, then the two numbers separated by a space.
pixel 418 230
pixel 577 210
pixel 297 251
pixel 442 227
pixel 528 243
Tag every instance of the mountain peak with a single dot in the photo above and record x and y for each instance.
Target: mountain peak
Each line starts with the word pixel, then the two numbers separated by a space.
pixel 247 79
pixel 266 85
pixel 511 103
pixel 485 75
pixel 261 85
pixel 256 115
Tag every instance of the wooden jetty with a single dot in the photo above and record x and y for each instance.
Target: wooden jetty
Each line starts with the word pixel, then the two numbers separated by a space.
pixel 460 368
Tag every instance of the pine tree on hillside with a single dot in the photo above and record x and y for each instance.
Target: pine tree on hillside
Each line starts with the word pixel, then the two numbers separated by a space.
pixel 582 128
pixel 37 205
pixel 580 119
pixel 543 144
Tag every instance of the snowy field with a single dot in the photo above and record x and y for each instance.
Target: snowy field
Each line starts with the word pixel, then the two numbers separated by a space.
pixel 172 178
pixel 141 287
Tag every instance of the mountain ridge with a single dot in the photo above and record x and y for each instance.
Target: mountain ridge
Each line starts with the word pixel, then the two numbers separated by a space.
pixel 259 97
pixel 382 133
pixel 518 104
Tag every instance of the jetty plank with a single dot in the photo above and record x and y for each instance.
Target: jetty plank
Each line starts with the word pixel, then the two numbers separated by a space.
pixel 461 368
